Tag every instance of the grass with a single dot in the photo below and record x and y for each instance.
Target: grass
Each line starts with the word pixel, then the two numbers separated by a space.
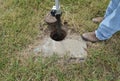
pixel 20 23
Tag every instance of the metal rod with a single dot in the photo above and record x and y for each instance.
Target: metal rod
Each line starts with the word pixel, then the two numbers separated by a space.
pixel 58 24
pixel 57 4
pixel 58 17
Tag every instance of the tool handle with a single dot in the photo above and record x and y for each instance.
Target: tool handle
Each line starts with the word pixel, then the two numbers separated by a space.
pixel 57 4
pixel 56 9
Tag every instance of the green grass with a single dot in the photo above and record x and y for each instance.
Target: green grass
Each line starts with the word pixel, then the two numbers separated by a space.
pixel 20 23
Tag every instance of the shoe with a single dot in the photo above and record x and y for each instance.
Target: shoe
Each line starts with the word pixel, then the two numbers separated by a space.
pixel 50 19
pixel 97 19
pixel 90 36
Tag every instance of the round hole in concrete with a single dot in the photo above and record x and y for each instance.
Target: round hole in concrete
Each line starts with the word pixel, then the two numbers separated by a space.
pixel 58 36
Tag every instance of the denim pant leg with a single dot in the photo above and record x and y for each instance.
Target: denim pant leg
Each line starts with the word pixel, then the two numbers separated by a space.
pixel 110 25
pixel 111 7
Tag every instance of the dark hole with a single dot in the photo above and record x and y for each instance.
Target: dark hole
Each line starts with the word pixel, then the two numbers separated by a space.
pixel 58 36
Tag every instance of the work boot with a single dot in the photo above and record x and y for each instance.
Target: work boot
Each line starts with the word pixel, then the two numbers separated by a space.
pixel 90 36
pixel 97 19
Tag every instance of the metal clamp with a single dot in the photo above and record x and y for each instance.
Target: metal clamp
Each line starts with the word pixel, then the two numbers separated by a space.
pixel 56 9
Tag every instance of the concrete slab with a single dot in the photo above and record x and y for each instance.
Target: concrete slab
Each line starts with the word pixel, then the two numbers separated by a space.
pixel 73 46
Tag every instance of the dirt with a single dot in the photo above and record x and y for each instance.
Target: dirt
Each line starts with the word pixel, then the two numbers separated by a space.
pixel 71 45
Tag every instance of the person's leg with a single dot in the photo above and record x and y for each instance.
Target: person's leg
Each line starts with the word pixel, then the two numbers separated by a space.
pixel 110 25
pixel 111 7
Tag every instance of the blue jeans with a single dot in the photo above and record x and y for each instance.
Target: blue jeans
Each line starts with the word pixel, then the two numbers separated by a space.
pixel 111 22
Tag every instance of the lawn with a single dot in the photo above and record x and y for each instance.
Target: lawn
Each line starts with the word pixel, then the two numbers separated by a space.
pixel 21 21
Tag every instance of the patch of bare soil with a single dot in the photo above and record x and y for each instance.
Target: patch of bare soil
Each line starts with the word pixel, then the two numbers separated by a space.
pixel 72 46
